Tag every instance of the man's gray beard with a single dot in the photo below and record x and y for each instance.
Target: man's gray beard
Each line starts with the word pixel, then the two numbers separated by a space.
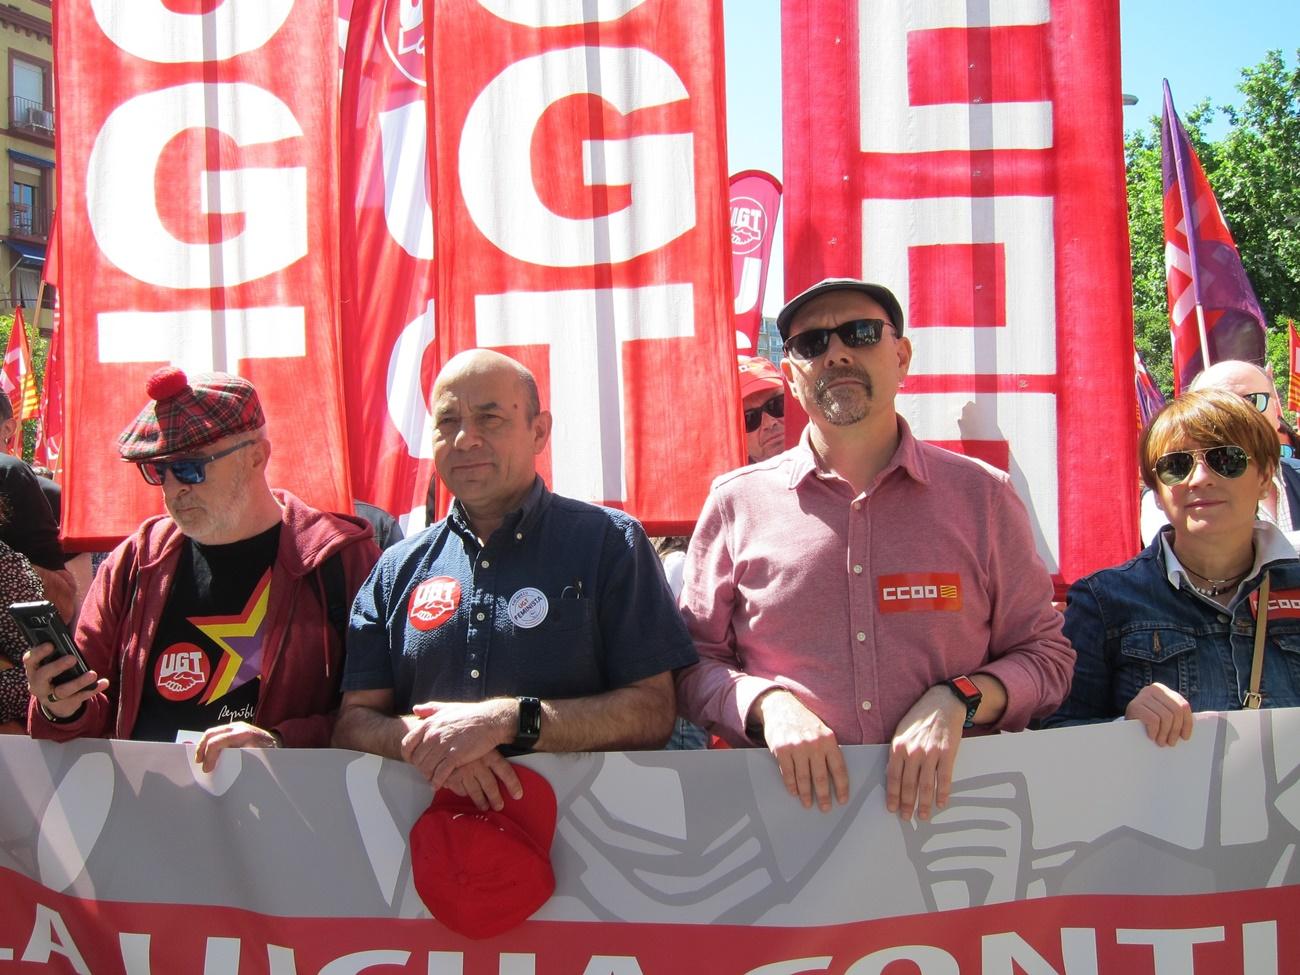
pixel 843 405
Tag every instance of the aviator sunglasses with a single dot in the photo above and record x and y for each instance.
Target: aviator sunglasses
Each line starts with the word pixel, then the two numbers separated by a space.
pixel 187 470
pixel 1226 460
pixel 855 334
pixel 774 407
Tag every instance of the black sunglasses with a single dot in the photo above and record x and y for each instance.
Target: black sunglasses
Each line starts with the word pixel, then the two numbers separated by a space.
pixel 1257 400
pixel 187 470
pixel 855 334
pixel 1226 460
pixel 773 407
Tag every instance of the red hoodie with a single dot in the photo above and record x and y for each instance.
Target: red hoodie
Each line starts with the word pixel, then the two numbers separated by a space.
pixel 304 660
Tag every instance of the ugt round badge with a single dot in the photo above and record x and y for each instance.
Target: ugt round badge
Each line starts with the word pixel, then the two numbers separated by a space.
pixel 433 602
pixel 527 608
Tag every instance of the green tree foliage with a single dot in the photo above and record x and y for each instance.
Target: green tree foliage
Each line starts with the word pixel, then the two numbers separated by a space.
pixel 1255 172
pixel 40 350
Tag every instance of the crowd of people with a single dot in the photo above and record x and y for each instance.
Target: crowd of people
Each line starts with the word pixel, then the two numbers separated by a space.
pixel 860 587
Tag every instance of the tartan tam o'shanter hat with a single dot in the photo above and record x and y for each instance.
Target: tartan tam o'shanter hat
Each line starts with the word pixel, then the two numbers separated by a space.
pixel 188 414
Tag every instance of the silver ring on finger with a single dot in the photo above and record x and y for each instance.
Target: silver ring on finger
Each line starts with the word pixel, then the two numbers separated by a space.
pixel 52 697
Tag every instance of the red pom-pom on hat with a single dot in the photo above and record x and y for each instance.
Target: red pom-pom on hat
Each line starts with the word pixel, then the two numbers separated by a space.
pixel 167 382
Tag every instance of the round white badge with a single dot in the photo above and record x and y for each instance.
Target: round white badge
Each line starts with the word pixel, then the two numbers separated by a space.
pixel 527 608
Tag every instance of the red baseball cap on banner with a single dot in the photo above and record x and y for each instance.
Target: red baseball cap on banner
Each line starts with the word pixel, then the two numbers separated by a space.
pixel 482 872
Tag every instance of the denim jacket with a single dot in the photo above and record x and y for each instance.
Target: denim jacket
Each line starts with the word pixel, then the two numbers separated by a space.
pixel 1131 627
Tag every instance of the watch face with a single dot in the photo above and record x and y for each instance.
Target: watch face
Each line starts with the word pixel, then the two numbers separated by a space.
pixel 966 686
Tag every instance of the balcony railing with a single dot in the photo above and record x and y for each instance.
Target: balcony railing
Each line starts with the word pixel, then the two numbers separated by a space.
pixel 31 116
pixel 26 220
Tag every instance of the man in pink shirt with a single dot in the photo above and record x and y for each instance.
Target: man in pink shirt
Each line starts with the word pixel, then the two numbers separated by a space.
pixel 864 587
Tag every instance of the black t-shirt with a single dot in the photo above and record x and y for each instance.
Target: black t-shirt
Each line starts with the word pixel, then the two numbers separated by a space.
pixel 205 665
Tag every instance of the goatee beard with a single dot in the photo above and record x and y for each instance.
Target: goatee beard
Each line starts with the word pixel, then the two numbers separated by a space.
pixel 844 405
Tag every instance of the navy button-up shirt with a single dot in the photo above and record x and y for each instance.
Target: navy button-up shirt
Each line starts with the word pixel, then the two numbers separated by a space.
pixel 565 599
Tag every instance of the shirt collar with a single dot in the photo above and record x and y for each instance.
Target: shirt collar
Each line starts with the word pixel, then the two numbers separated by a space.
pixel 907 457
pixel 518 522
pixel 1270 546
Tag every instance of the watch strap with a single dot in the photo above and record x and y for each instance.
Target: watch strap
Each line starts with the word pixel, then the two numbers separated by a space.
pixel 530 724
pixel 969 694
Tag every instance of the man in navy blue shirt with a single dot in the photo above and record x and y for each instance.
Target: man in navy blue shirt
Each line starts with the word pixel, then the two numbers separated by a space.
pixel 523 619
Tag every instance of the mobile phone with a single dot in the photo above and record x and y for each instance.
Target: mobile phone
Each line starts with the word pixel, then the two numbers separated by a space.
pixel 41 623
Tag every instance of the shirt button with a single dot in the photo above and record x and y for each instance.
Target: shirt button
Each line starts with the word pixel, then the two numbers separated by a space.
pixel 866 705
pixel 1225 619
pixel 857 505
pixel 519 536
pixel 481 617
pixel 861 636
pixel 484 564
pixel 857 570
pixel 474 674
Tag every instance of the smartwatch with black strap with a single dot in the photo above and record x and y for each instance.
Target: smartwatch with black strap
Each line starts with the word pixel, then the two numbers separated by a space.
pixel 530 724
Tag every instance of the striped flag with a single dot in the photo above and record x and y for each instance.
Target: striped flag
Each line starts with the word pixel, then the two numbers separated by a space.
pixel 16 378
pixel 1211 301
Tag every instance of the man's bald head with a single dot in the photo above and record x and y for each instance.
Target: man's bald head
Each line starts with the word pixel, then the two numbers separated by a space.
pixel 1244 379
pixel 484 363
pixel 488 430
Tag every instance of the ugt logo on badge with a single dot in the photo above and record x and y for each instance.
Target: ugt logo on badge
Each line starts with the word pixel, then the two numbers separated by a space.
pixel 433 602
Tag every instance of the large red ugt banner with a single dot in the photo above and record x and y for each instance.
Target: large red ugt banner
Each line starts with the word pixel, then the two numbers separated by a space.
pixel 192 138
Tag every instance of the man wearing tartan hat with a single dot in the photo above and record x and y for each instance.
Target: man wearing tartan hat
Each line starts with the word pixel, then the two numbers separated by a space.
pixel 223 620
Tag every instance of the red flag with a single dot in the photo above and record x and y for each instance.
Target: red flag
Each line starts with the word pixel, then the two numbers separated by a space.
pixel 1293 387
pixel 198 162
pixel 49 435
pixel 755 202
pixel 580 192
pixel 49 439
pixel 387 257
pixel 17 378
pixel 976 169
pixel 1210 297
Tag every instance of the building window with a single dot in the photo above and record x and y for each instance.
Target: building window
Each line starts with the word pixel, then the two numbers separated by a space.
pixel 30 108
pixel 22 207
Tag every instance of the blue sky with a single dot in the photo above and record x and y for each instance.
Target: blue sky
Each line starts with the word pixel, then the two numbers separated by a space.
pixel 1199 45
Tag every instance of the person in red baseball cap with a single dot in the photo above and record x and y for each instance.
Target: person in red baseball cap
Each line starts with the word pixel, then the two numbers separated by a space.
pixel 762 397
pixel 223 619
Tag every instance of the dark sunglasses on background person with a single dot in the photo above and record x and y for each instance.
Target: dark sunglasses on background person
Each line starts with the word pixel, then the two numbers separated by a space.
pixel 773 407
pixel 186 470
pixel 855 334
pixel 1226 460
pixel 1257 400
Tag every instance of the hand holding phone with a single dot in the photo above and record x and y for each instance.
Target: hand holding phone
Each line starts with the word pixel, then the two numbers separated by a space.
pixel 41 624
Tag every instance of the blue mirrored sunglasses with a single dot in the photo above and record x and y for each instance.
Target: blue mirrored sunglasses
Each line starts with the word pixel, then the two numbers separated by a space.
pixel 186 470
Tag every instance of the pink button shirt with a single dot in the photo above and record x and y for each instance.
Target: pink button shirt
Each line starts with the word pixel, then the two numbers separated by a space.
pixel 859 604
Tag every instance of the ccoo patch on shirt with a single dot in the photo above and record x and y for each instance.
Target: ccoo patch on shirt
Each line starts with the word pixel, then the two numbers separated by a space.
pixel 1282 604
pixel 910 592
pixel 433 602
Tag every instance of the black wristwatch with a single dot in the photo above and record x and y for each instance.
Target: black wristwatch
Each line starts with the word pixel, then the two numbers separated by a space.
pixel 530 724
pixel 968 693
